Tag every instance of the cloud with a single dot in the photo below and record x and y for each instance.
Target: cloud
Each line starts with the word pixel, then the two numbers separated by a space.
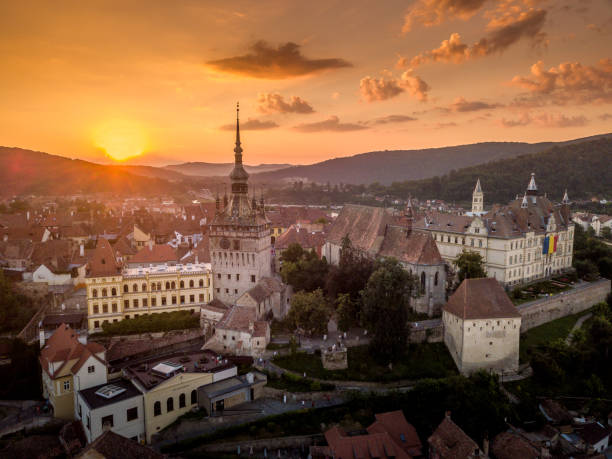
pixel 251 125
pixel 527 24
pixel 435 12
pixel 391 119
pixel 285 61
pixel 546 120
pixel 331 124
pixel 569 82
pixel 445 125
pixel 275 103
pixel 462 105
pixel 605 116
pixel 387 86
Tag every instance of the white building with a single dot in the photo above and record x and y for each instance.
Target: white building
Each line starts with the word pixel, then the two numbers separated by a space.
pixel 482 327
pixel 526 240
pixel 118 404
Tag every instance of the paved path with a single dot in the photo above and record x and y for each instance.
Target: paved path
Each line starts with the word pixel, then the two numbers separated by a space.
pixel 576 326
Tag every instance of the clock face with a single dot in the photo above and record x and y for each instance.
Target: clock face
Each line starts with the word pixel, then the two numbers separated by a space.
pixel 225 243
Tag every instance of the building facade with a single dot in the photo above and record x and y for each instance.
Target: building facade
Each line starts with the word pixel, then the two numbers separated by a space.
pixel 240 244
pixel 115 293
pixel 528 239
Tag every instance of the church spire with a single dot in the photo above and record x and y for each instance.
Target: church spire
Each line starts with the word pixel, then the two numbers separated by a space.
pixel 565 198
pixel 478 188
pixel 238 148
pixel 532 188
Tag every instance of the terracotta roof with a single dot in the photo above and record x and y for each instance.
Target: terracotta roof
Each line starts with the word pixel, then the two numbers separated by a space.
pixel 555 411
pixel 284 217
pixel 103 261
pixel 110 445
pixel 216 305
pixel 413 247
pixel 158 253
pixel 123 248
pixel 16 250
pixel 54 254
pixel 259 293
pixel 403 434
pixel 202 251
pixel 508 445
pixel 482 298
pixel 297 235
pixel 364 225
pixel 441 221
pixel 373 445
pixel 240 318
pixel 449 441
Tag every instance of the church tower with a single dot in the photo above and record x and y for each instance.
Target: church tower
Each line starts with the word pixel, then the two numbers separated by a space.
pixel 240 247
pixel 477 199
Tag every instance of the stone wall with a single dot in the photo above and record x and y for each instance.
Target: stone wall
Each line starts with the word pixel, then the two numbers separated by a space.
pixel 544 310
pixel 335 358
pixel 271 445
pixel 430 331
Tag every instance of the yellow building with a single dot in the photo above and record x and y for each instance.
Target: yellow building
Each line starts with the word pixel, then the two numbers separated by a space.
pixel 170 385
pixel 67 367
pixel 115 293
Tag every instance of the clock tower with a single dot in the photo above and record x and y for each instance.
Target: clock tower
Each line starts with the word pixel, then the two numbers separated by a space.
pixel 240 247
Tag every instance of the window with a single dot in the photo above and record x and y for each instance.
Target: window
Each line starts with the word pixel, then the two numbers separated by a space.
pixel 182 402
pixel 91 369
pixel 80 411
pixel 107 420
pixel 191 283
pixel 114 291
pixel 66 386
pixel 153 301
pixel 145 302
pixel 104 292
pixel 182 299
pixel 422 282
pixel 153 287
pixel 219 276
pixel 144 287
pixel 167 285
pixel 252 277
pixel 182 284
pixel 237 277
pixel 96 324
pixel 135 302
pixel 132 413
pixel 235 291
pixel 88 423
pixel 105 308
pixel 194 397
pixel 126 304
pixel 156 408
pixel 163 298
pixel 126 289
pixel 192 298
pixel 96 309
pixel 114 307
pixel 436 279
pixel 202 297
pixel 229 277
pixel 173 299
pixel 94 293
pixel 201 283
pixel 170 404
pixel 173 285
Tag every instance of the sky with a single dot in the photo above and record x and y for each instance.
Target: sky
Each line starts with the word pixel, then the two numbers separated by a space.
pixel 156 82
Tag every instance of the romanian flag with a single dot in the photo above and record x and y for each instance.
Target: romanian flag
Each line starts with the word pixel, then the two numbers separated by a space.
pixel 549 245
pixel 555 245
pixel 545 246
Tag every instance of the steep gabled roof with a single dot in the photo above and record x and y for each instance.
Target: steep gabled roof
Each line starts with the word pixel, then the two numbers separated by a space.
pixel 155 253
pixel 103 261
pixel 450 442
pixel 110 445
pixel 482 298
pixel 415 247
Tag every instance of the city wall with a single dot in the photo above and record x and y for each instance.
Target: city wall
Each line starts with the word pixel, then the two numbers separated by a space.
pixel 538 312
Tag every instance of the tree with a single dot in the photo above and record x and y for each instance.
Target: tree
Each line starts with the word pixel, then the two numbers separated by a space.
pixel 586 269
pixel 348 312
pixel 386 299
pixel 470 265
pixel 292 253
pixel 351 274
pixel 309 311
pixel 606 233
pixel 302 269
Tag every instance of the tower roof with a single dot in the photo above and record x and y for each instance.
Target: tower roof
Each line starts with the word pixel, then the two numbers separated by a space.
pixel 532 188
pixel 565 198
pixel 238 174
pixel 478 188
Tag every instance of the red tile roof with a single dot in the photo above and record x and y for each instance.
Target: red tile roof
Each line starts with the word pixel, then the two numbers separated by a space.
pixel 402 433
pixel 482 298
pixel 157 253
pixel 450 442
pixel 103 261
pixel 414 247
pixel 373 445
pixel 508 445
pixel 110 445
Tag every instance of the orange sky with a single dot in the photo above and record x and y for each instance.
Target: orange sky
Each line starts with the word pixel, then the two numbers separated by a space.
pixel 315 79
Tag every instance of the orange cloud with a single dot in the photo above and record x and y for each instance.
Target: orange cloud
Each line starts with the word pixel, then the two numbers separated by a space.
pixel 251 125
pixel 463 105
pixel 527 25
pixel 275 103
pixel 435 12
pixel 569 82
pixel 545 120
pixel 331 124
pixel 376 89
pixel 389 119
pixel 285 61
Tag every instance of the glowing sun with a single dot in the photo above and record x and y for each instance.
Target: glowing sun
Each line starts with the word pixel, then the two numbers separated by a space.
pixel 121 139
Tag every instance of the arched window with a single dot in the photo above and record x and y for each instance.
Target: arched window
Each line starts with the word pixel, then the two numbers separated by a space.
pixel 104 292
pixel 159 286
pixel 182 284
pixel 194 397
pixel 114 291
pixel 144 287
pixel 126 289
pixel 423 281
pixel 201 283
pixel 182 401
pixel 134 287
pixel 167 285
pixel 436 279
pixel 173 285
pixel 191 284
pixel 170 404
pixel 94 293
pixel 156 408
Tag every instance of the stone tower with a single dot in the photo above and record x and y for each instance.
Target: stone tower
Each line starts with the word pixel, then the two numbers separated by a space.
pixel 240 247
pixel 477 199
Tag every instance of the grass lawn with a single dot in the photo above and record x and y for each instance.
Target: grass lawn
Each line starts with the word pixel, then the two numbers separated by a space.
pixel 533 291
pixel 428 360
pixel 546 333
pixel 290 383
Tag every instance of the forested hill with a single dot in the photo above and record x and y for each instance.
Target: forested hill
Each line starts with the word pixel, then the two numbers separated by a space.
pixel 585 169
pixel 387 167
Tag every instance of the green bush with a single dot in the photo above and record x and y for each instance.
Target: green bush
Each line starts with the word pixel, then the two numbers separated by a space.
pixel 152 323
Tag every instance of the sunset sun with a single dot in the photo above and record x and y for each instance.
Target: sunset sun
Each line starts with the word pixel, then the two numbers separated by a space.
pixel 121 139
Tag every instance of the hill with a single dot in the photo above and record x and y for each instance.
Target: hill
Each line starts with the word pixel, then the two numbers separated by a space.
pixel 387 167
pixel 151 171
pixel 220 169
pixel 33 172
pixel 583 168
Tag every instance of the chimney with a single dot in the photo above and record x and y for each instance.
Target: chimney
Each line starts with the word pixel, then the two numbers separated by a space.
pixel 251 326
pixel 485 445
pixel 447 415
pixel 81 250
pixel 150 243
pixel 5 237
pixel 28 215
pixel 41 335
